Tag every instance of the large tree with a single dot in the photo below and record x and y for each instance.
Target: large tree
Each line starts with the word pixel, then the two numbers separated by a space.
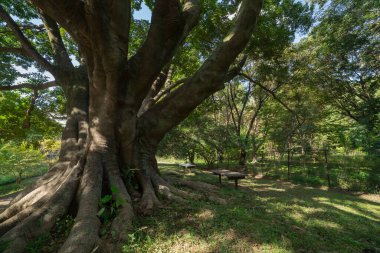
pixel 114 123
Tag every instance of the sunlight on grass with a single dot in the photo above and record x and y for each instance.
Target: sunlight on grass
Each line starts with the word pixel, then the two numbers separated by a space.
pixel 261 216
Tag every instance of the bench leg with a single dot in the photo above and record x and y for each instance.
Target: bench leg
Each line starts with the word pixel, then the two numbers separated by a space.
pixel 220 179
pixel 236 183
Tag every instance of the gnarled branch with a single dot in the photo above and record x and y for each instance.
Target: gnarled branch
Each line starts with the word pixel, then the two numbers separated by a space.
pixel 70 14
pixel 61 56
pixel 208 79
pixel 25 43
pixel 170 25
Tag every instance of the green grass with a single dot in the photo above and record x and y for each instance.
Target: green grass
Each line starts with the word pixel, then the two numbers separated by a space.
pixel 8 178
pixel 13 187
pixel 261 216
pixel 347 172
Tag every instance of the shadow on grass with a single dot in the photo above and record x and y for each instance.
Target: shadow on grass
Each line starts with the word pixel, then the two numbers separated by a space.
pixel 261 216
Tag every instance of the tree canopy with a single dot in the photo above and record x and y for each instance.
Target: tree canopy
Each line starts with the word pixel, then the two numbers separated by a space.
pixel 215 79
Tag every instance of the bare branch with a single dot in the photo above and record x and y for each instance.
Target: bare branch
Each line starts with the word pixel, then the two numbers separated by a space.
pixel 25 43
pixel 300 119
pixel 234 108
pixel 31 86
pixel 231 110
pixel 272 93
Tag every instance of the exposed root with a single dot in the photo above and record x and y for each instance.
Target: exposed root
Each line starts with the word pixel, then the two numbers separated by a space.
pixel 148 201
pixel 51 175
pixel 43 218
pixel 195 185
pixel 122 223
pixel 208 190
pixel 169 191
pixel 84 234
pixel 37 194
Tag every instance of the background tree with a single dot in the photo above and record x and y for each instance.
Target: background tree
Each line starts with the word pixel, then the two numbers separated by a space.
pixel 340 56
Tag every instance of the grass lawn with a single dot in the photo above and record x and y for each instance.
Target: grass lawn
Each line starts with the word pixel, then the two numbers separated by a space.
pixel 7 189
pixel 261 216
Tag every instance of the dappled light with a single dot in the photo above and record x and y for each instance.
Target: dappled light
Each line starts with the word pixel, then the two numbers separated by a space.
pixel 264 215
pixel 189 126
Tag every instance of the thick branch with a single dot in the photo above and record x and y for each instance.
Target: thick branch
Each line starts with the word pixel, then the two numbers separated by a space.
pixel 25 43
pixel 61 56
pixel 149 100
pixel 109 24
pixel 208 79
pixel 13 50
pixel 31 86
pixel 170 25
pixel 70 14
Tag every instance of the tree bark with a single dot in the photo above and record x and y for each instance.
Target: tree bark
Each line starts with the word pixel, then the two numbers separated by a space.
pixel 104 137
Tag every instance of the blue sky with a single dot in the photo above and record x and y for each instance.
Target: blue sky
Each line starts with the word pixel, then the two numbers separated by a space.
pixel 144 13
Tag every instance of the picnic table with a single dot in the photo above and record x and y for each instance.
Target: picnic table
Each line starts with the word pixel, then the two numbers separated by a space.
pixel 231 175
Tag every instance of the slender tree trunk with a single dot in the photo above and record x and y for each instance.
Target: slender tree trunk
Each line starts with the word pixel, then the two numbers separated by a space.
pixel 27 121
pixel 191 156
pixel 289 151
pixel 242 158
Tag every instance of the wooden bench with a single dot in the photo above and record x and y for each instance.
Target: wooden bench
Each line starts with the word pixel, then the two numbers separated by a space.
pixel 231 175
pixel 220 173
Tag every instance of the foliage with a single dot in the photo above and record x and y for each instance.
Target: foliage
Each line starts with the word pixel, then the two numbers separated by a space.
pixel 13 110
pixel 20 159
pixel 109 205
pixel 340 57
pixel 358 172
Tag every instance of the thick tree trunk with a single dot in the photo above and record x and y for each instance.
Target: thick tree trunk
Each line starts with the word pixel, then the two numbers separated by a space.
pixel 104 137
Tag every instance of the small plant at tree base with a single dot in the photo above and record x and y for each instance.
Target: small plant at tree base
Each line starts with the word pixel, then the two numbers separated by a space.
pixel 109 205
